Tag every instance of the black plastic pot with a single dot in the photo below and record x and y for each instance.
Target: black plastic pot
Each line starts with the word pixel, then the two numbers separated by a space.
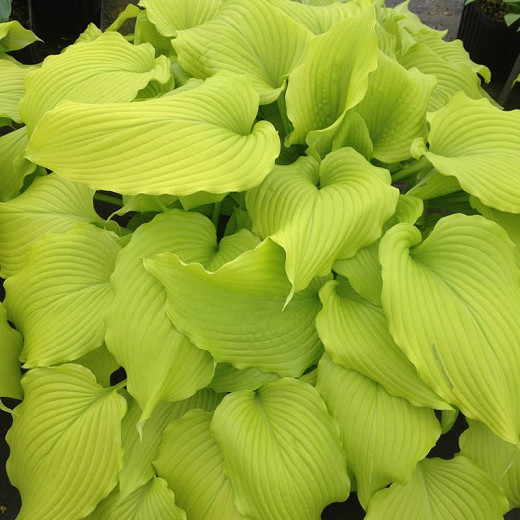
pixel 489 42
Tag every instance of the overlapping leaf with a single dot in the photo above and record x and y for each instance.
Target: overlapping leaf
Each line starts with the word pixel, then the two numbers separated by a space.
pixel 441 490
pixel 332 78
pixel 51 204
pixel 237 312
pixel 11 88
pixel 355 335
pixel 10 347
pixel 499 458
pixel 472 140
pixel 13 165
pixel 160 362
pixel 65 443
pixel 164 145
pixel 191 462
pixel 282 451
pixel 13 36
pixel 105 70
pixel 248 37
pixel 169 17
pixel 58 298
pixel 384 436
pixel 344 193
pixel 141 447
pixel 392 121
pixel 452 305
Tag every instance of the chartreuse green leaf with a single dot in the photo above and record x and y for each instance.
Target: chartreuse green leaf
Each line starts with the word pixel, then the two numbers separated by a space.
pixel 13 165
pixel 433 185
pixel 10 347
pixel 295 203
pixel 65 443
pixel 105 70
pixel 392 121
pixel 472 140
pixel 140 449
pixel 11 88
pixel 452 75
pixel 152 500
pixel 251 325
pixel 101 363
pixel 58 298
pixel 440 489
pixel 230 379
pixel 319 18
pixel 364 270
pixel 355 335
pixel 14 37
pixel 278 470
pixel 51 204
pixel 197 130
pixel 248 37
pixel 509 221
pixel 332 78
pixel 452 306
pixel 384 436
pixel 160 362
pixel 191 462
pixel 499 458
pixel 169 17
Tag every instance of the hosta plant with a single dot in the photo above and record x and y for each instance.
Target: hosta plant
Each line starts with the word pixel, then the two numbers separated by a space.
pixel 258 255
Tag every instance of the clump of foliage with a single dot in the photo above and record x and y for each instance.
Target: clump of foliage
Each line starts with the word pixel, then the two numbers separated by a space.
pixel 310 268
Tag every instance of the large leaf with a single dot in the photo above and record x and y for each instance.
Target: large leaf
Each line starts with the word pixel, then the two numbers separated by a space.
pixel 192 464
pixel 58 299
pixel 160 362
pixel 473 140
pixel 282 451
pixel 499 458
pixel 169 17
pixel 199 139
pixel 65 443
pixel 51 204
pixel 10 347
pixel 106 70
pixel 441 490
pixel 332 78
pixel 248 37
pixel 13 165
pixel 392 121
pixel 384 436
pixel 11 88
pixel 237 312
pixel 345 194
pixel 141 443
pixel 452 306
pixel 355 335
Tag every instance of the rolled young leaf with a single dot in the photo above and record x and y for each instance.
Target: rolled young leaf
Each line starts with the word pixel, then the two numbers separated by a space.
pixel 198 139
pixel 441 490
pixel 13 36
pixel 282 451
pixel 479 145
pixel 295 203
pixel 452 306
pixel 384 436
pixel 65 443
pixel 237 312
pixel 58 299
pixel 108 69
